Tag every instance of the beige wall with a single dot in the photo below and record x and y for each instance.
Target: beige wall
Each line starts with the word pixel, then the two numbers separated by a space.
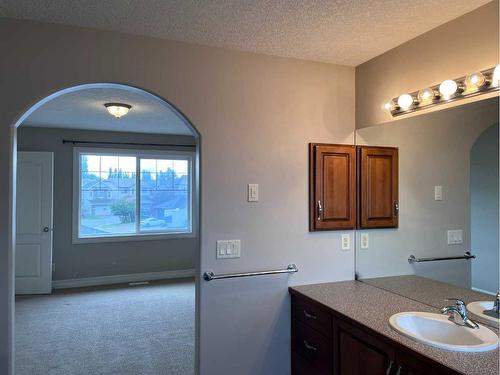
pixel 255 115
pixel 464 45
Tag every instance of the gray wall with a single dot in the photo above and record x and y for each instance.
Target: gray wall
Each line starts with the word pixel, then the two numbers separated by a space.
pixel 434 150
pixel 256 115
pixel 484 210
pixel 110 258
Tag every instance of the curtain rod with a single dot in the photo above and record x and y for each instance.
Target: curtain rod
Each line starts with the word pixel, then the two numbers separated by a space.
pixel 73 141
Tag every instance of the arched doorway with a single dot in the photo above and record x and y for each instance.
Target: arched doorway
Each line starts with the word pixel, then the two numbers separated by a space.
pixel 484 211
pixel 181 118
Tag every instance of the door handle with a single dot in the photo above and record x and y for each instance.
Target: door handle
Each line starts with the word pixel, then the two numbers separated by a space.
pixel 320 210
pixel 46 229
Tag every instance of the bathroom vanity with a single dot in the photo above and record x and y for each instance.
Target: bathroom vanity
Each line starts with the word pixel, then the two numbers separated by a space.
pixel 343 329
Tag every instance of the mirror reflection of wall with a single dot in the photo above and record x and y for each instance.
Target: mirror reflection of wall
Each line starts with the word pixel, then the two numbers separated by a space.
pixel 454 151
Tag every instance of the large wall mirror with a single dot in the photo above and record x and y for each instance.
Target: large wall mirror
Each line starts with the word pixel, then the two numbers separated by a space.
pixel 448 206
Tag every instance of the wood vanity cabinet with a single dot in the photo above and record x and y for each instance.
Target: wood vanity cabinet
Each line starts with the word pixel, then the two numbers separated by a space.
pixel 324 342
pixel 332 187
pixel 377 187
pixel 352 187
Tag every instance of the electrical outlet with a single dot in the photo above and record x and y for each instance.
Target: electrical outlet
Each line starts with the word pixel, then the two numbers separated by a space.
pixel 365 240
pixel 438 193
pixel 253 192
pixel 346 241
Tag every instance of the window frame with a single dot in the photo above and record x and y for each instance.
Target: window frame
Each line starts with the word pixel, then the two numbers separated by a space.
pixel 171 154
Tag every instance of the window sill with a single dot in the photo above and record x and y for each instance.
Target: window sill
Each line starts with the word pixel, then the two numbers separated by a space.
pixel 135 237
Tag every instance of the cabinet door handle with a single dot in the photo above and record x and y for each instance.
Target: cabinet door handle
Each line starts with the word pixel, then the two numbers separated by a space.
pixel 396 209
pixel 309 346
pixel 389 368
pixel 310 315
pixel 400 368
pixel 320 210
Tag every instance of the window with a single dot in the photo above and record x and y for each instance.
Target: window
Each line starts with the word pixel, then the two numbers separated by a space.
pixel 131 194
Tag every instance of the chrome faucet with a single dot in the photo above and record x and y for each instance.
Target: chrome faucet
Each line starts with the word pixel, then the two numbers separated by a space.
pixel 459 313
pixel 496 304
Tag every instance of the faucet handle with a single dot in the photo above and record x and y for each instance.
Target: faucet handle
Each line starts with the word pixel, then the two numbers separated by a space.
pixel 457 301
pixel 459 304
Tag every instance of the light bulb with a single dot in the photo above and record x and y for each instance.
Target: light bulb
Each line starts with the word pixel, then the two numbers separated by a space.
pixel 426 95
pixel 118 109
pixel 388 106
pixel 495 81
pixel 405 101
pixel 448 88
pixel 474 81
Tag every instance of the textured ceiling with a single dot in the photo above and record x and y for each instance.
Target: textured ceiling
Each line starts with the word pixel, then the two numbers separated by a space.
pixel 347 32
pixel 85 109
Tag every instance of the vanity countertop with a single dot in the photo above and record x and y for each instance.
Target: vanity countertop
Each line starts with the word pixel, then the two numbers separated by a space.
pixel 372 307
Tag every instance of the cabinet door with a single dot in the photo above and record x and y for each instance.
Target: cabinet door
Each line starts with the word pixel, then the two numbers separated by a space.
pixel 378 187
pixel 358 353
pixel 408 364
pixel 332 187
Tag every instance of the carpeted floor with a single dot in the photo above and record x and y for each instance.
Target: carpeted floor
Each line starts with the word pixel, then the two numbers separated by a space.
pixel 122 330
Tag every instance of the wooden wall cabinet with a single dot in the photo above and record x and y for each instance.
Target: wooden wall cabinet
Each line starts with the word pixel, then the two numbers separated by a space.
pixel 377 187
pixel 332 190
pixel 352 187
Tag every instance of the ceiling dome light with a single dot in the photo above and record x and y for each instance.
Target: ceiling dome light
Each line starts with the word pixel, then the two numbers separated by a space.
pixel 448 88
pixel 474 81
pixel 496 76
pixel 405 101
pixel 426 95
pixel 118 109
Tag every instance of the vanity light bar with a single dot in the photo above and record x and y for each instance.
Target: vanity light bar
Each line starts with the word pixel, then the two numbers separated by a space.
pixel 447 91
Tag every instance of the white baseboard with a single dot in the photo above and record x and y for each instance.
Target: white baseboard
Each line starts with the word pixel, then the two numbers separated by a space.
pixel 120 279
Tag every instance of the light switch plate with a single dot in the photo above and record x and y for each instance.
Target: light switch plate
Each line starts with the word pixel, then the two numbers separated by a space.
pixel 365 240
pixel 253 192
pixel 455 237
pixel 227 249
pixel 438 193
pixel 346 241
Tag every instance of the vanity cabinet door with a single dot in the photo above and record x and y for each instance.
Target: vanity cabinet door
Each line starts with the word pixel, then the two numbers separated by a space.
pixel 332 187
pixel 358 353
pixel 377 187
pixel 408 364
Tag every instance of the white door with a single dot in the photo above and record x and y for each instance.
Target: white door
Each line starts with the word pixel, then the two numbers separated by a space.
pixel 34 222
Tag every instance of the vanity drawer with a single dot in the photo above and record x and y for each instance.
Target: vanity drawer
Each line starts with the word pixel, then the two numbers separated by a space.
pixel 312 315
pixel 312 346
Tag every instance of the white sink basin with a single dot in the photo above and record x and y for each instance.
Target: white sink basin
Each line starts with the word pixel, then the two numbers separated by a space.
pixel 478 307
pixel 438 331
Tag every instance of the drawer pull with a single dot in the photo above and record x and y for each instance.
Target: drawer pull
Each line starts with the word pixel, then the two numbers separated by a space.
pixel 309 346
pixel 310 315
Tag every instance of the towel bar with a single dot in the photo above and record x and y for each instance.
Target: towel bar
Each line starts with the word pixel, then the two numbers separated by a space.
pixel 209 275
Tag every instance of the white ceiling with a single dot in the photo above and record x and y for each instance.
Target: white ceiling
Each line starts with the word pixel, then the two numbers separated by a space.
pixel 84 109
pixel 347 32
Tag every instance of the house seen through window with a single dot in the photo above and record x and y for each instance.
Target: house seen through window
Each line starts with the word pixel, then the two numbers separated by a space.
pixel 122 194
